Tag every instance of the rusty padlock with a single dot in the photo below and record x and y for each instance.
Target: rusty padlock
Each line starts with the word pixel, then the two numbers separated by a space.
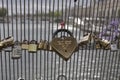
pixel 41 45
pixel 17 51
pixel 32 46
pixel 25 44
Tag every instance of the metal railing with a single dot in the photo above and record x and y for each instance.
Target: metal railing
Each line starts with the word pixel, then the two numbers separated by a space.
pixel 38 19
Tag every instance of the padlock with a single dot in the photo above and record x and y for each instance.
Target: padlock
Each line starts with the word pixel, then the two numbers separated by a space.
pixel 45 46
pixel 98 45
pixel 25 45
pixel 50 47
pixel 1 45
pixel 17 51
pixel 64 46
pixel 9 41
pixel 32 46
pixel 8 49
pixel 41 45
pixel 104 42
pixel 113 46
pixel 85 39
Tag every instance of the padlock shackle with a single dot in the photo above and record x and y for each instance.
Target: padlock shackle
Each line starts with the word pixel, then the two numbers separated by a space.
pixel 62 30
pixel 33 42
pixel 17 43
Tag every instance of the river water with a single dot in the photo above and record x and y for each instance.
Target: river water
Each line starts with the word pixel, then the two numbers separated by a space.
pixel 45 65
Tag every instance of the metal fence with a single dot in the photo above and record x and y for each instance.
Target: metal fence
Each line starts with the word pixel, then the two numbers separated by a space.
pixel 38 19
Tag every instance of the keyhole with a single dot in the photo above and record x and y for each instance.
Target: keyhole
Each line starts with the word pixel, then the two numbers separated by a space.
pixel 65 50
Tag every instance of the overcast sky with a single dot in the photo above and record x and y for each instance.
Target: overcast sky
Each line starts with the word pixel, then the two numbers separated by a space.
pixel 44 2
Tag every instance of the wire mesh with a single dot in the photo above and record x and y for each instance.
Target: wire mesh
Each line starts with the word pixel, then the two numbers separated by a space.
pixel 39 19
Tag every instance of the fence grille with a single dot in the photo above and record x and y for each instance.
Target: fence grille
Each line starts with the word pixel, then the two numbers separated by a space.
pixel 38 19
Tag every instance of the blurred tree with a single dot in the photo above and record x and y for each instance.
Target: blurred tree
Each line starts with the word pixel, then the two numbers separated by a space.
pixel 3 12
pixel 55 13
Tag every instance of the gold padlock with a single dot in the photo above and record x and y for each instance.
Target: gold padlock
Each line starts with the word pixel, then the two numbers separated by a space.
pixel 32 46
pixel 9 41
pixel 25 45
pixel 98 45
pixel 104 42
pixel 85 39
pixel 41 45
pixel 1 45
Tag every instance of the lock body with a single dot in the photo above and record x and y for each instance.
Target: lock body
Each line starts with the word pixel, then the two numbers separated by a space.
pixel 85 39
pixel 41 45
pixel 32 46
pixel 7 42
pixel 17 51
pixel 65 46
pixel 114 46
pixel 25 45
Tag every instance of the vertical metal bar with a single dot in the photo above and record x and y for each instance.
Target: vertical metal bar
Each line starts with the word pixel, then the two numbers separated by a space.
pixel 24 25
pixel 9 65
pixel 37 22
pixel 4 59
pixel 41 38
pixel 80 71
pixel 29 68
pixel 13 36
pixel 17 35
pixel 86 4
pixel 32 39
pixel 53 8
pixel 45 39
pixel 95 73
pixel 21 69
pixel 69 74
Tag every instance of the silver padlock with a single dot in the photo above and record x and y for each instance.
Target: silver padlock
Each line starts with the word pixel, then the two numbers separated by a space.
pixel 114 46
pixel 17 51
pixel 8 49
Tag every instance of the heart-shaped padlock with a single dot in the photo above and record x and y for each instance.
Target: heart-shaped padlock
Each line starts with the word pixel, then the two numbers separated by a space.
pixel 65 45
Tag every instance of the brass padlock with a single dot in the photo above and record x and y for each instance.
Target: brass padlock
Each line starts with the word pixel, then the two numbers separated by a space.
pixel 1 45
pixel 85 39
pixel 65 45
pixel 25 45
pixel 41 45
pixel 32 46
pixel 17 51
pixel 104 42
pixel 9 41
